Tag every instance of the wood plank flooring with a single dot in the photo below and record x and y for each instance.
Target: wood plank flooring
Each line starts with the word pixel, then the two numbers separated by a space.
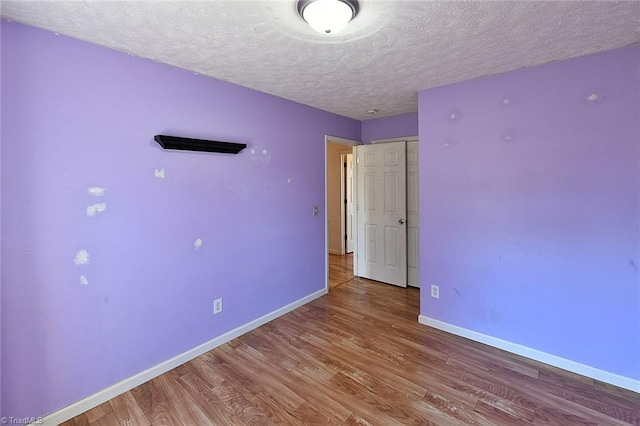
pixel 358 357
pixel 340 270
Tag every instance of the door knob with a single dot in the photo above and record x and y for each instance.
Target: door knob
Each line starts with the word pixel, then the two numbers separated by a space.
pixel 401 221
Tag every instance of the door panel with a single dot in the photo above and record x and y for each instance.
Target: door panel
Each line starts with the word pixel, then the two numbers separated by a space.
pixel 390 246
pixel 390 158
pixel 370 192
pixel 391 192
pixel 381 210
pixel 369 158
pixel 370 248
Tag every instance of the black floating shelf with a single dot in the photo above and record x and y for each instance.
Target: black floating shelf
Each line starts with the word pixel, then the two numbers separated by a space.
pixel 188 144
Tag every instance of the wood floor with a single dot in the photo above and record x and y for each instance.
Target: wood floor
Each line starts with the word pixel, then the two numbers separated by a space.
pixel 357 356
pixel 340 270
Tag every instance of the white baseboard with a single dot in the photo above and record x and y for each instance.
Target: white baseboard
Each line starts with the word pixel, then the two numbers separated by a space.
pixel 125 385
pixel 556 361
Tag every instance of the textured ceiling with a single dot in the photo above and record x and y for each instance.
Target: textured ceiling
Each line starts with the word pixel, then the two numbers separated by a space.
pixel 393 49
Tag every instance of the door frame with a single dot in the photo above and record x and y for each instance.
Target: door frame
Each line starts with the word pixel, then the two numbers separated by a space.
pixel 343 195
pixel 341 141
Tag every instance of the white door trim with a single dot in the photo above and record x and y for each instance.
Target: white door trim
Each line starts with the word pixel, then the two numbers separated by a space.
pixel 342 141
pixel 347 197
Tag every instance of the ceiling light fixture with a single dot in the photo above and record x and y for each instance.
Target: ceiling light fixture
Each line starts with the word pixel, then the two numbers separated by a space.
pixel 327 16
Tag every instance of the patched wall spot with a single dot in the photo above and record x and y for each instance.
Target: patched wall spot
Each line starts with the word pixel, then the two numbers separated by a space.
pixel 449 143
pixel 82 257
pixel 96 191
pixel 509 134
pixel 197 244
pixel 260 154
pixel 592 97
pixel 93 209
pixel 84 280
pixel 159 173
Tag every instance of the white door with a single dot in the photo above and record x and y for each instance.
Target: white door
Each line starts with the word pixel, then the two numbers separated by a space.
pixel 381 210
pixel 349 203
pixel 413 216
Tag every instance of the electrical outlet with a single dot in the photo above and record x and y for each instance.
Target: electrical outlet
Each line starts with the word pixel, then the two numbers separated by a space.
pixel 435 291
pixel 217 306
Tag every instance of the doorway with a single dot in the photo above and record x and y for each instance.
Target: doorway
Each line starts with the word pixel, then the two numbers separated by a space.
pixel 338 260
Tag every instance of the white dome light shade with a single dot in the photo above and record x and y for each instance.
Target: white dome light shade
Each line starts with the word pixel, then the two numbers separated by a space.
pixel 328 16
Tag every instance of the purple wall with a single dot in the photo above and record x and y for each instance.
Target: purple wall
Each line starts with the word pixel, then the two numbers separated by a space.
pixel 530 215
pixel 75 116
pixel 390 127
